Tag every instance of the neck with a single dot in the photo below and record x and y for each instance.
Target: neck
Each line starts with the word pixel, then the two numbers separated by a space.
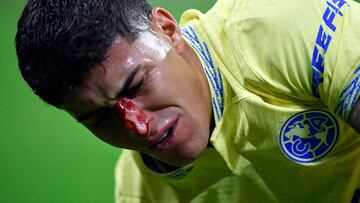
pixel 190 56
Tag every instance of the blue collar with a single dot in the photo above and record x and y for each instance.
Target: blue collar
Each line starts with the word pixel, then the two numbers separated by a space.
pixel 213 73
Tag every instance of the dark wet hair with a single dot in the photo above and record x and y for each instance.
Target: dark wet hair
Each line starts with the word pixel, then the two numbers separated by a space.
pixel 59 41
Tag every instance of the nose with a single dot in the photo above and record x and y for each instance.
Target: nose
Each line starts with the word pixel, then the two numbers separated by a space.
pixel 133 117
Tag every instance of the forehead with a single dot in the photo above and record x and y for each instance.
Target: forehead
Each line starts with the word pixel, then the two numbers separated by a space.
pixel 148 46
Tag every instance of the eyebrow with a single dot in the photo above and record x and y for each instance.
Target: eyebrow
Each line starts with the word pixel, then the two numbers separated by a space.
pixel 122 91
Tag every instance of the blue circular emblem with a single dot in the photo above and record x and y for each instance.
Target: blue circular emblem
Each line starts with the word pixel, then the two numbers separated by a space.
pixel 309 135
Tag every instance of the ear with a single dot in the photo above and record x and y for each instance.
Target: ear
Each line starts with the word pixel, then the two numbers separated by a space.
pixel 162 21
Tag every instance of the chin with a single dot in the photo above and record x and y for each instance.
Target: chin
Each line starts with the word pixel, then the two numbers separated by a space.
pixel 184 155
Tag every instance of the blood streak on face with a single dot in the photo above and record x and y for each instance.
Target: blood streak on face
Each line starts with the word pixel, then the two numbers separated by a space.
pixel 132 117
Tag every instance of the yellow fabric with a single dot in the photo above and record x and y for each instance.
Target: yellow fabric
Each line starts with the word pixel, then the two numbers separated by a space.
pixel 280 132
pixel 136 183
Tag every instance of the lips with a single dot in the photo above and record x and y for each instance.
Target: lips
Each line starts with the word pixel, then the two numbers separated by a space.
pixel 165 135
pixel 166 139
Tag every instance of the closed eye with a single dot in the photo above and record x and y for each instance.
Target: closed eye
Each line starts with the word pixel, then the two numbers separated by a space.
pixel 105 112
pixel 132 91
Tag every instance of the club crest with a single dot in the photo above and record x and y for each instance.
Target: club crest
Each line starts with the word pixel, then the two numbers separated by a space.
pixel 309 135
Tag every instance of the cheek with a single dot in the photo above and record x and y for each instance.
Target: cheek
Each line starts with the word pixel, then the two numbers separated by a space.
pixel 132 117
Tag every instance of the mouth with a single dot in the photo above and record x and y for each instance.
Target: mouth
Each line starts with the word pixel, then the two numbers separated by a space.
pixel 165 135
pixel 166 139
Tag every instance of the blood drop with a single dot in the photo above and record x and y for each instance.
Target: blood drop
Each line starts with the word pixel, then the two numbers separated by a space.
pixel 132 117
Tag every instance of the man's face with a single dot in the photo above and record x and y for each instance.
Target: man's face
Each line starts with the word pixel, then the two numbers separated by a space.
pixel 161 83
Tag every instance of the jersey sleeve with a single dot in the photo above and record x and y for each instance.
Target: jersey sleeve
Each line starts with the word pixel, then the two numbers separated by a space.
pixel 129 186
pixel 336 81
pixel 298 51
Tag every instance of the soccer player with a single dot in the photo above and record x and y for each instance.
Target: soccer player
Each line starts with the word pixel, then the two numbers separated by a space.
pixel 253 101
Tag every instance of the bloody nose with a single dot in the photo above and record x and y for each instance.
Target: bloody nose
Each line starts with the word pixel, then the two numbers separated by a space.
pixel 132 117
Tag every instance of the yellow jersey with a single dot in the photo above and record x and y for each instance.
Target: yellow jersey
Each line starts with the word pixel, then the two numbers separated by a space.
pixel 284 76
